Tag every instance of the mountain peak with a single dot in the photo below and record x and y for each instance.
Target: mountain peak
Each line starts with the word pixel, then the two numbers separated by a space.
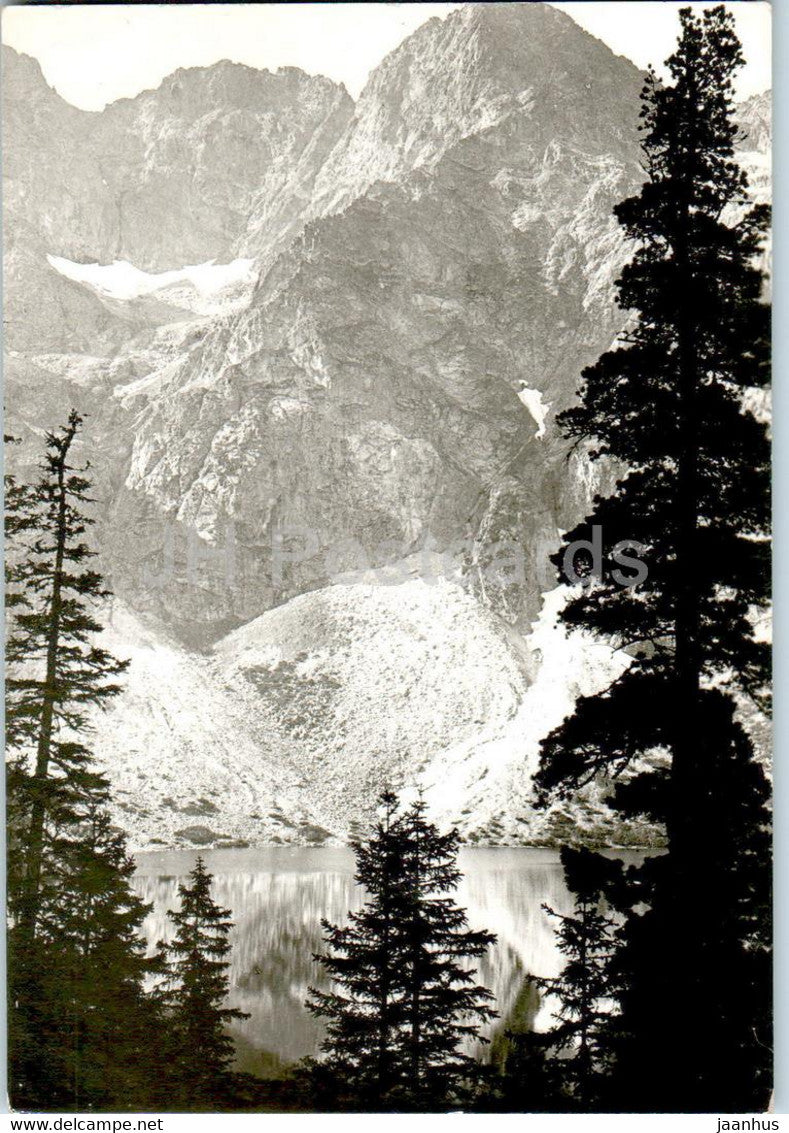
pixel 502 38
pixel 482 65
pixel 228 84
pixel 24 80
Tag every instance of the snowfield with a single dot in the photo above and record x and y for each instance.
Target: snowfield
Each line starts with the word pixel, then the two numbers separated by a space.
pixel 204 289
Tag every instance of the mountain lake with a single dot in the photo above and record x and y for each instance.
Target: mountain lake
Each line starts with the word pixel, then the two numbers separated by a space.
pixel 277 896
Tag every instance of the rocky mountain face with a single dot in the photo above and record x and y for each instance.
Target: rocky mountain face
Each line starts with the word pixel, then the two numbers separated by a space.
pixel 413 285
pixel 755 120
pixel 178 175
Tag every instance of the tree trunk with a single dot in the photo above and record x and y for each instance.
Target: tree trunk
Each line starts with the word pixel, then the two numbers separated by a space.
pixel 35 850
pixel 687 662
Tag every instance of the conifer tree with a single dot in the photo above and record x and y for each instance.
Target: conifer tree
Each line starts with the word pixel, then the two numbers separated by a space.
pixel 719 963
pixel 567 1067
pixel 105 1035
pixel 584 989
pixel 404 999
pixel 530 1078
pixel 195 995
pixel 56 672
pixel 80 1024
pixel 669 402
pixel 364 1010
pixel 445 1006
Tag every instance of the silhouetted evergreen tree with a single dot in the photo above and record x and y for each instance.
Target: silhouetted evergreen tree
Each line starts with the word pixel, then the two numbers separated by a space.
pixel 403 998
pixel 364 1010
pixel 55 670
pixel 445 1007
pixel 567 1067
pixel 200 1075
pixel 721 964
pixel 670 403
pixel 530 1081
pixel 584 989
pixel 520 1078
pixel 109 1043
pixel 79 1022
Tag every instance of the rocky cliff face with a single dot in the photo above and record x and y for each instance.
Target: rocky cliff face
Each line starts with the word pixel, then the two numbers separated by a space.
pixel 459 249
pixel 416 282
pixel 178 175
pixel 184 174
pixel 755 119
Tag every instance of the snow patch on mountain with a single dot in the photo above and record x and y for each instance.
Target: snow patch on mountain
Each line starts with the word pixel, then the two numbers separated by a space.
pixel 205 289
pixel 532 399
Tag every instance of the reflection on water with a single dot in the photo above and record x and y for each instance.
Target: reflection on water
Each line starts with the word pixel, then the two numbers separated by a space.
pixel 277 896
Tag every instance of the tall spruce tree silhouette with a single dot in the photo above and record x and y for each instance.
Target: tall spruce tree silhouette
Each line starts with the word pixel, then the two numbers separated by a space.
pixel 403 1001
pixel 56 672
pixel 200 1075
pixel 80 1024
pixel 669 402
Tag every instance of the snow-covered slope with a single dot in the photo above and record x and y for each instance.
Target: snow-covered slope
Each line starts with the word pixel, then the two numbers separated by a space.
pixel 199 289
pixel 185 758
pixel 290 727
pixel 364 685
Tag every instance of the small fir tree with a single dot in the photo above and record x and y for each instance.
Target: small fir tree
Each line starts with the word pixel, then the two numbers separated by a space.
pixel 584 989
pixel 195 998
pixel 404 999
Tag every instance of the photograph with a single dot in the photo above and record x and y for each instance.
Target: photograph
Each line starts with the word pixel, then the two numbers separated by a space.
pixel 388 663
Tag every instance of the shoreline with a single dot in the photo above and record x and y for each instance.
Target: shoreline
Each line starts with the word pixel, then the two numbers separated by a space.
pixel 241 845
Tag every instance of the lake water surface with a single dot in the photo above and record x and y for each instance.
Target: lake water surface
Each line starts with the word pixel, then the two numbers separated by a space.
pixel 277 896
